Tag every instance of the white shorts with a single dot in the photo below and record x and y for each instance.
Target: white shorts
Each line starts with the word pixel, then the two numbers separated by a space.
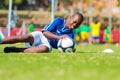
pixel 39 40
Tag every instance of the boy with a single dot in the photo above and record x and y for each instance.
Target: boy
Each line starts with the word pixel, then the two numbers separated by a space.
pixel 38 42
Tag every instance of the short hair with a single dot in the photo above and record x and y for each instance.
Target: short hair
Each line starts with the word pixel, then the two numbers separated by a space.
pixel 80 15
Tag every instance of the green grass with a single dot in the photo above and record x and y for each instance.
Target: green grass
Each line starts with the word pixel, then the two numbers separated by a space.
pixel 88 63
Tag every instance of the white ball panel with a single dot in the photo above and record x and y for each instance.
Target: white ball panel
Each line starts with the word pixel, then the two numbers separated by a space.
pixel 67 42
pixel 59 42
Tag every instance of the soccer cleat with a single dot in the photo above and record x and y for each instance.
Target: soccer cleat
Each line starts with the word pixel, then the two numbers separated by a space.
pixel 9 49
pixel 13 49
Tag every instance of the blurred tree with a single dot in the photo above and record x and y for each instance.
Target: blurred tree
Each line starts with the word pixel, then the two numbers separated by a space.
pixel 66 2
pixel 21 4
pixel 18 2
pixel 2 5
pixel 6 2
pixel 15 2
pixel 118 2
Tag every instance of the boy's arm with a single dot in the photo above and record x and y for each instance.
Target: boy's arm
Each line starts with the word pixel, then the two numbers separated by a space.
pixel 53 36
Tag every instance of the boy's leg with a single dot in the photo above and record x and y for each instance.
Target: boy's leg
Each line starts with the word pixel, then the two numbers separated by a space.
pixel 25 38
pixel 42 44
pixel 34 49
pixel 37 49
pixel 15 39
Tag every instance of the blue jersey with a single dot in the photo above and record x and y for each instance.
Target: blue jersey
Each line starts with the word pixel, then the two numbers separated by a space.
pixel 58 27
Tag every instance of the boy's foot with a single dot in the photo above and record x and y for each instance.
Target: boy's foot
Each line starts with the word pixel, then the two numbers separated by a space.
pixel 9 49
pixel 13 49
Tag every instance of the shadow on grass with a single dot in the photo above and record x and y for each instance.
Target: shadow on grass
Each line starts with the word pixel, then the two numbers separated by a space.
pixel 85 52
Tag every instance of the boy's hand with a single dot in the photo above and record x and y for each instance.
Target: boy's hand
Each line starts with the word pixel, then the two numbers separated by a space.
pixel 63 37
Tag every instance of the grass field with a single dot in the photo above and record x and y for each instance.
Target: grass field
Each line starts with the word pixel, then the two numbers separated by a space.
pixel 88 63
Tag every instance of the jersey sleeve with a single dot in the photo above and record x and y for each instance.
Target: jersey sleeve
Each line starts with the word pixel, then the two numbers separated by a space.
pixel 52 26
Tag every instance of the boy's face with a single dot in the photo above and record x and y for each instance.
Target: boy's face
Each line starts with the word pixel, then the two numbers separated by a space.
pixel 73 22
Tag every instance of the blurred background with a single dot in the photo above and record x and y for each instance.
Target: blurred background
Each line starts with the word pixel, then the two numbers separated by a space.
pixel 19 17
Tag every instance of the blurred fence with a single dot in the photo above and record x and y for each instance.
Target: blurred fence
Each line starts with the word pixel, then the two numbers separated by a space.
pixel 42 17
pixel 45 17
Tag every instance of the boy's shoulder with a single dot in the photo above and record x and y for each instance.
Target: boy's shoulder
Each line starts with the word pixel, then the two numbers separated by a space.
pixel 59 18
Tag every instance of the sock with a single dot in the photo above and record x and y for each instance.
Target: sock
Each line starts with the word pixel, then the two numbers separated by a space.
pixel 1 36
pixel 20 49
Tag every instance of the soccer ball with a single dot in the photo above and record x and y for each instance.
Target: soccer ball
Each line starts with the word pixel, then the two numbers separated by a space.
pixel 66 45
